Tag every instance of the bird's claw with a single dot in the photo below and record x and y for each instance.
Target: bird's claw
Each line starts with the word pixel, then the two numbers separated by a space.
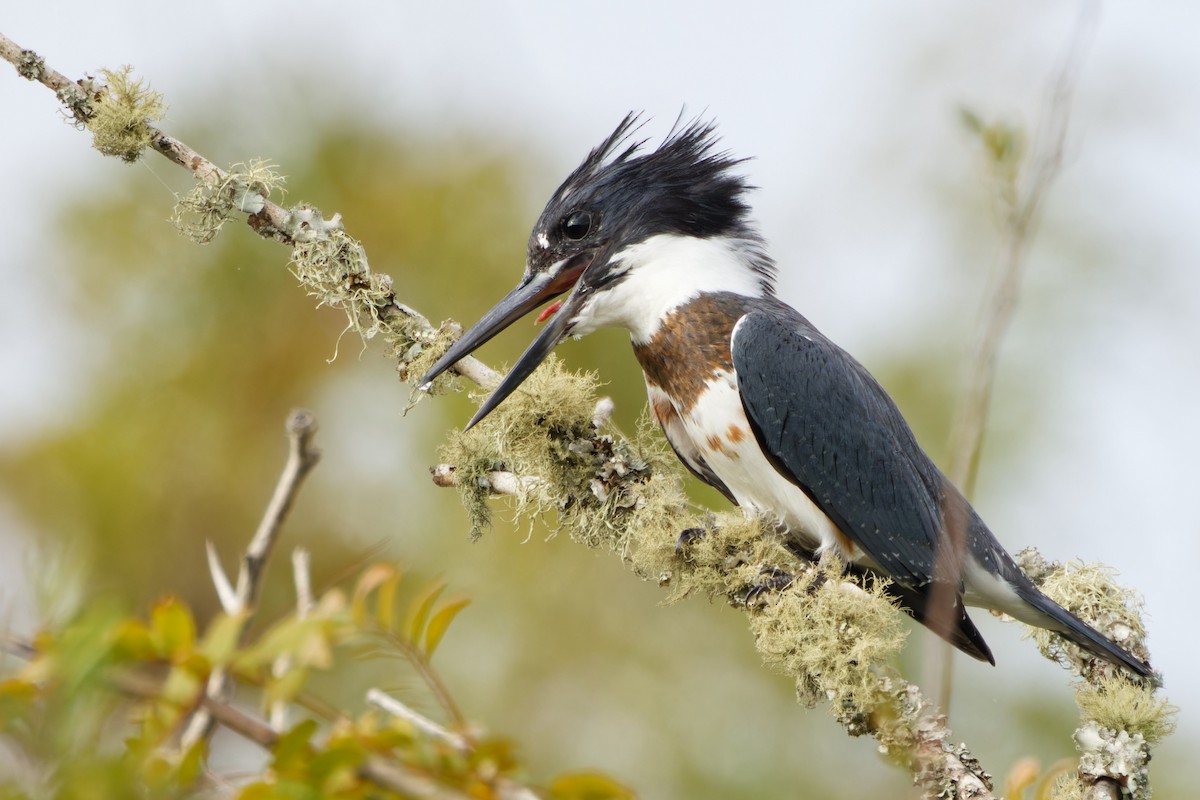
pixel 686 538
pixel 774 580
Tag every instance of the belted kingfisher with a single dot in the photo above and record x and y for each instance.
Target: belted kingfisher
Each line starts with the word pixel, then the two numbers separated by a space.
pixel 754 400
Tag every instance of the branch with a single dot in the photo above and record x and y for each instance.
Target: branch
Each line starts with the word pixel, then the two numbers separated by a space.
pixel 382 772
pixel 240 602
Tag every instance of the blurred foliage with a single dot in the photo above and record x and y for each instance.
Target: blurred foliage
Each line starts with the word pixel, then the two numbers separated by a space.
pixel 96 708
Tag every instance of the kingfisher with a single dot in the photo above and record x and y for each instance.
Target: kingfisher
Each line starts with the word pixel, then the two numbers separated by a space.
pixel 754 400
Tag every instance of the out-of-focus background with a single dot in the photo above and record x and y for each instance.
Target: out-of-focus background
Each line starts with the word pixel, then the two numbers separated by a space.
pixel 144 379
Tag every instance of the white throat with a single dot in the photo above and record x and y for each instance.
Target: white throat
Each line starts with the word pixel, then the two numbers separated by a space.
pixel 664 272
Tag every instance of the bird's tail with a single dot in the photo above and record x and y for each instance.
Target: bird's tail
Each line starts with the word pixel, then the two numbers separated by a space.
pixel 1051 616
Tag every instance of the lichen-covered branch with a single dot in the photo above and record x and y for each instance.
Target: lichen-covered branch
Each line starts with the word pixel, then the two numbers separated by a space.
pixel 330 263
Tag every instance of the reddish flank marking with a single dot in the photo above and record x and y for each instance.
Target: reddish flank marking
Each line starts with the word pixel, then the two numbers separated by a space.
pixel 735 434
pixel 664 412
pixel 714 443
pixel 845 542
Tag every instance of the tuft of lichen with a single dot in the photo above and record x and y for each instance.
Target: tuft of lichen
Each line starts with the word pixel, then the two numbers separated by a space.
pixel 332 266
pixel 831 635
pixel 1111 754
pixel 416 347
pixel 1119 704
pixel 201 213
pixel 121 115
pixel 1067 787
pixel 545 429
pixel 30 65
pixel 1089 592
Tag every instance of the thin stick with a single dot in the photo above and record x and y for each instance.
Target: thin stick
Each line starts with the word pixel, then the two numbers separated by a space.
pixel 391 705
pixel 1019 201
pixel 302 457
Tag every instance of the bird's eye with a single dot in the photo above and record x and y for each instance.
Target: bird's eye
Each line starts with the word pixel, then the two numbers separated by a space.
pixel 577 224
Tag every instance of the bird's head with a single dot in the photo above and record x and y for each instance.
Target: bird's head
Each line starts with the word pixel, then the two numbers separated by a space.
pixel 629 234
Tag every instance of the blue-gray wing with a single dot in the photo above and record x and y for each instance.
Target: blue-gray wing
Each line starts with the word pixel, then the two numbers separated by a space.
pixel 831 428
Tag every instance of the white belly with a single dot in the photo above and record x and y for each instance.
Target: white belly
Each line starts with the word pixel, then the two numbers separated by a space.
pixel 717 427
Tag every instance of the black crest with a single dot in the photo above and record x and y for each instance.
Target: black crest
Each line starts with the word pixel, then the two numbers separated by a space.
pixel 686 185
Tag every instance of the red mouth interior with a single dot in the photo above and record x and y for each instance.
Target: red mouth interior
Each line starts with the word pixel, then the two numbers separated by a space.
pixel 548 311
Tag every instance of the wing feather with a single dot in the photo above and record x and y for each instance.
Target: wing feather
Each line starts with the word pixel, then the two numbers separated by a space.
pixel 833 430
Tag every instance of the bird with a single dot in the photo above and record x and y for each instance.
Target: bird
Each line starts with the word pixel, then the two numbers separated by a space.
pixel 754 400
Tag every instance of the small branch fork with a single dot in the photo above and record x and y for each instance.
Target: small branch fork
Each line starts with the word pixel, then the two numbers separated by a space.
pixel 240 602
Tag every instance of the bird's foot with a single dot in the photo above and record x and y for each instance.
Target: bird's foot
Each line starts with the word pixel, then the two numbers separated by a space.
pixel 686 538
pixel 773 580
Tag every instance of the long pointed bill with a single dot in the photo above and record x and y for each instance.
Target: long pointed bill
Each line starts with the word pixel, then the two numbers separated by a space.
pixel 516 304
pixel 535 354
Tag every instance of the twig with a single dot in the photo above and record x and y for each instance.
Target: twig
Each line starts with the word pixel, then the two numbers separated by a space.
pixel 498 481
pixel 1019 201
pixel 391 705
pixel 375 769
pixel 302 457
pixel 278 713
pixel 270 221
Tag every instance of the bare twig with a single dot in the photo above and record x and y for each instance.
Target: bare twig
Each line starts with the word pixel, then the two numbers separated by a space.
pixel 1019 202
pixel 391 705
pixel 302 457
pixel 498 481
pixel 304 602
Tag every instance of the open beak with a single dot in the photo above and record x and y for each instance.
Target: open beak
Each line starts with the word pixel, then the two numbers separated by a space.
pixel 530 294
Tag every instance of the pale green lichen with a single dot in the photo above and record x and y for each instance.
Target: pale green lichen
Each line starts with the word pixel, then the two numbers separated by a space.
pixel 30 65
pixel 333 268
pixel 1118 704
pixel 121 115
pixel 202 212
pixel 417 347
pixel 545 429
pixel 1112 754
pixel 831 635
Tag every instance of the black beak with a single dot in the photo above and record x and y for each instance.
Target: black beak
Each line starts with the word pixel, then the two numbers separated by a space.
pixel 520 301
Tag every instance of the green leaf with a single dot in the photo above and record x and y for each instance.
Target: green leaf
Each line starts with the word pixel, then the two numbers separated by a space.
pixel 133 641
pixel 385 606
pixel 419 608
pixel 172 628
pixel 440 621
pixel 285 687
pixel 293 746
pixel 306 641
pixel 588 786
pixel 221 639
pixel 372 578
pixel 181 687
